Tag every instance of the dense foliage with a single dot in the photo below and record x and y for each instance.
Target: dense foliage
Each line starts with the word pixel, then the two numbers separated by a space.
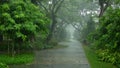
pixel 20 20
pixel 107 37
pixel 3 65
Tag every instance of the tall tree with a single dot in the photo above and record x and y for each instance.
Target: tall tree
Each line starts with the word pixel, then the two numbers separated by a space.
pixel 51 8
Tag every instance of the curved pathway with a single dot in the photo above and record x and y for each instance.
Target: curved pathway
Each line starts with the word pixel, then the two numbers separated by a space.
pixel 72 56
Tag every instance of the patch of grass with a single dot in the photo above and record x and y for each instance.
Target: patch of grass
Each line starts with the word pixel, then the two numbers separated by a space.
pixel 18 59
pixel 93 60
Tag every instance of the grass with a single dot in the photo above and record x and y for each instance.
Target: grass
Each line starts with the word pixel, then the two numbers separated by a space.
pixel 18 59
pixel 93 60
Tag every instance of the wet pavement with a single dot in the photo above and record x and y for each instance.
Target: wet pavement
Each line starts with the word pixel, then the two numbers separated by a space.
pixel 72 56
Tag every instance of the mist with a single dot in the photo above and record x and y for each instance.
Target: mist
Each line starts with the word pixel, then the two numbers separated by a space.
pixel 80 18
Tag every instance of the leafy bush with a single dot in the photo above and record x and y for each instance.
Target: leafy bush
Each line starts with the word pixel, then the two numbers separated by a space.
pixel 39 45
pixel 93 59
pixel 21 20
pixel 107 38
pixel 3 65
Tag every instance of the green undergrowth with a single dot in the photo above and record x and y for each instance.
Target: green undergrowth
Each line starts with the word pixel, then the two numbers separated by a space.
pixel 17 59
pixel 2 65
pixel 60 46
pixel 50 46
pixel 93 60
pixel 41 45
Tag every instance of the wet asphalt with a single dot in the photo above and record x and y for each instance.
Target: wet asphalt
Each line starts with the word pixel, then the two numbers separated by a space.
pixel 70 56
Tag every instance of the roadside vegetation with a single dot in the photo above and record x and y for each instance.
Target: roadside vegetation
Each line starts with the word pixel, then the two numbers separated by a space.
pixel 102 33
pixel 17 59
pixel 106 38
pixel 2 65
pixel 94 60
pixel 20 21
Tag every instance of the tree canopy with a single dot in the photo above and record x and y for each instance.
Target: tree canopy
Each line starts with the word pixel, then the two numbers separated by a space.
pixel 21 20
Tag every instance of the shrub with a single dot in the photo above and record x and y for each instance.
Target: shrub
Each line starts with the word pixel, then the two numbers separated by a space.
pixel 3 65
pixel 107 39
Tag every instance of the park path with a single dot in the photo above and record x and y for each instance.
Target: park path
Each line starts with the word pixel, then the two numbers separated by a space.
pixel 71 56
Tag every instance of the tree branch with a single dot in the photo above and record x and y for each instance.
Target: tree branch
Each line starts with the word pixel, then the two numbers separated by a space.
pixel 40 3
pixel 59 5
pixel 76 27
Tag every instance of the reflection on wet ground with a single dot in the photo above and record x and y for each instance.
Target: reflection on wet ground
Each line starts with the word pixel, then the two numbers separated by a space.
pixel 71 56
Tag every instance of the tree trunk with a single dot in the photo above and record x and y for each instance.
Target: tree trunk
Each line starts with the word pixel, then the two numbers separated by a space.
pixel 8 47
pixel 52 27
pixel 101 11
pixel 1 38
pixel 103 6
pixel 13 49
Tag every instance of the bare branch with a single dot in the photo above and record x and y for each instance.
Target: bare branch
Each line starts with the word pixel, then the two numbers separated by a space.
pixel 76 27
